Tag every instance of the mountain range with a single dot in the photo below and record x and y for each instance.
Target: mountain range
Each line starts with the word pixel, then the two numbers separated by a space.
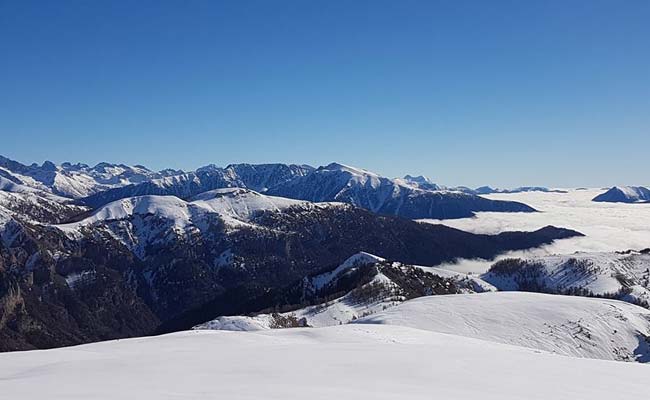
pixel 72 273
pixel 104 183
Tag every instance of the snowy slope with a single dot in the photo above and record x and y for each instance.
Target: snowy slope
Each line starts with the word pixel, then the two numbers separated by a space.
pixel 242 204
pixel 166 207
pixel 567 325
pixel 343 362
pixel 625 275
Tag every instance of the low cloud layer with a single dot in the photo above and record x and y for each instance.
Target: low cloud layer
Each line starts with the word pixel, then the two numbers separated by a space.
pixel 607 226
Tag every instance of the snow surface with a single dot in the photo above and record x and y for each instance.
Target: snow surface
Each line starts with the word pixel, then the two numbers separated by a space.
pixel 242 204
pixel 567 325
pixel 168 207
pixel 607 227
pixel 344 362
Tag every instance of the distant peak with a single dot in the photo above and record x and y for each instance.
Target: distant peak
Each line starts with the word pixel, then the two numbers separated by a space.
pixel 49 166
pixel 417 179
pixel 209 168
pixel 346 168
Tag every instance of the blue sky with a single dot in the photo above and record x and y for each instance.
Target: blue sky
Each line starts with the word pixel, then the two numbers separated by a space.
pixel 504 93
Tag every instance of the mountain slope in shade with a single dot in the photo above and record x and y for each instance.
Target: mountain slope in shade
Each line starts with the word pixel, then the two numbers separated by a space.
pixel 567 325
pixel 344 362
pixel 362 285
pixel 625 194
pixel 337 182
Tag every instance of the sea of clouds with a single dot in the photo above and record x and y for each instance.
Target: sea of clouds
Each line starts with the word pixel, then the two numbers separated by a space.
pixel 607 226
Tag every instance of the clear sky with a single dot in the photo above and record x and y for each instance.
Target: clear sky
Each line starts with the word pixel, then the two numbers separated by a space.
pixel 505 93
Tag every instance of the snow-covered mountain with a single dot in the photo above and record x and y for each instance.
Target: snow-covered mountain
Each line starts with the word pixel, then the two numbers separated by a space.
pixel 344 362
pixel 623 275
pixel 566 325
pixel 76 180
pixel 337 182
pixel 625 194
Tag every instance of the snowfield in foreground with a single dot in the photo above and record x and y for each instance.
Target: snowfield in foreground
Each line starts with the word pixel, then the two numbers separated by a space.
pixel 567 325
pixel 343 362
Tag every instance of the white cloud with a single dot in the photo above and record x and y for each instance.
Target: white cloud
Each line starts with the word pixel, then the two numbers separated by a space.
pixel 607 226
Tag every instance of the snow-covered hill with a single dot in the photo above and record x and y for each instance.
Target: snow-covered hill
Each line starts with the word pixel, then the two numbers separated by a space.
pixel 343 362
pixel 243 204
pixel 625 194
pixel 567 325
pixel 621 275
pixel 142 221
